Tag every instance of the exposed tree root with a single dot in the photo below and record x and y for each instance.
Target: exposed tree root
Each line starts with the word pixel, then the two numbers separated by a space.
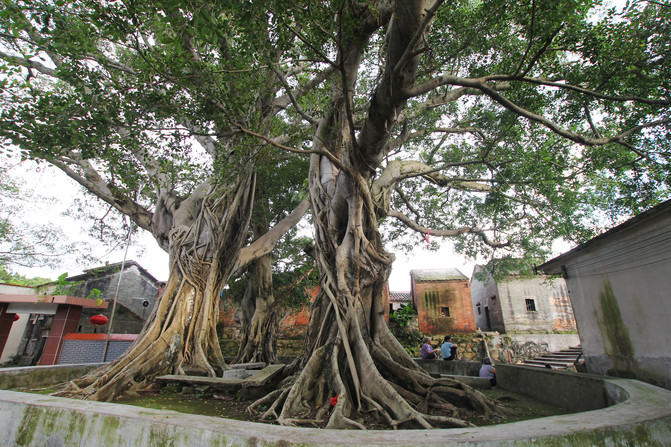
pixel 180 334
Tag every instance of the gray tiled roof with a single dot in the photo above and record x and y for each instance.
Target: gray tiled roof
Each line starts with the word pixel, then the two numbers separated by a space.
pixel 438 275
pixel 399 297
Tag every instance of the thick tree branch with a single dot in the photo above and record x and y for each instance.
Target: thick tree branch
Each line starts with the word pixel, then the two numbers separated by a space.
pixel 297 106
pixel 411 49
pixel 284 100
pixel 398 170
pixel 445 98
pixel 389 98
pixel 278 145
pixel 483 85
pixel 582 90
pixel 27 63
pixel 94 183
pixel 265 244
pixel 446 233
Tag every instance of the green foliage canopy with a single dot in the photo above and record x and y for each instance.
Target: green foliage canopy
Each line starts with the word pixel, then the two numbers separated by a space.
pixel 528 121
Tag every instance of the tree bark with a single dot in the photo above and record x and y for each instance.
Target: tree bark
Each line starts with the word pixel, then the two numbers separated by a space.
pixel 261 316
pixel 208 231
pixel 353 364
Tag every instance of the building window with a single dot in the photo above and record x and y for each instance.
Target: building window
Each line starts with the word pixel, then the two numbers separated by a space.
pixel 531 304
pixel 479 309
pixel 445 311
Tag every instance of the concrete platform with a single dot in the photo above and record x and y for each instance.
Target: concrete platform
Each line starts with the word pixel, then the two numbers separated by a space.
pixel 260 377
pixel 639 414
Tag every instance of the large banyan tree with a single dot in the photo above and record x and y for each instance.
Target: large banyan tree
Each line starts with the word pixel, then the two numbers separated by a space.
pixel 145 117
pixel 502 124
pixel 505 124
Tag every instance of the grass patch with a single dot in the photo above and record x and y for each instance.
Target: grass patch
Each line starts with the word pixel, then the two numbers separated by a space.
pixel 230 405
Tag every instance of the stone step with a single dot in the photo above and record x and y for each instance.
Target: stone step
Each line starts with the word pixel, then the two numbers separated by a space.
pixel 542 365
pixel 557 360
pixel 551 362
pixel 561 358
pixel 571 358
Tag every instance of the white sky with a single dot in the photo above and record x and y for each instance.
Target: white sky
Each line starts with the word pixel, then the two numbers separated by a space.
pixel 59 190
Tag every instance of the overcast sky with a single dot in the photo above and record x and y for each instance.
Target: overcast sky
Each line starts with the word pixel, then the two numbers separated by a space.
pixel 59 191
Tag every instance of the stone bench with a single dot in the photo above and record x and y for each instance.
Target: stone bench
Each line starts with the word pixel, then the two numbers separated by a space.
pixel 258 378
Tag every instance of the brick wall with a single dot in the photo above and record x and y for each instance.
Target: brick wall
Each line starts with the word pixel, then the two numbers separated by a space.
pixel 434 299
pixel 88 348
pixel 294 325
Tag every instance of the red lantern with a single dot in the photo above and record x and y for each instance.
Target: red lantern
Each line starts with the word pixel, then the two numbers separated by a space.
pixel 16 317
pixel 98 320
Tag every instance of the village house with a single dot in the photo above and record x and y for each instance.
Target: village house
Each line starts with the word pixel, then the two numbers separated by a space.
pixel 398 299
pixel 138 291
pixel 53 323
pixel 519 304
pixel 32 326
pixel 619 284
pixel 442 298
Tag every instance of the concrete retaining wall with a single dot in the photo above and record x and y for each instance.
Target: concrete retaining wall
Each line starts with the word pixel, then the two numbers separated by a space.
pixel 570 391
pixel 42 375
pixel 455 368
pixel 641 415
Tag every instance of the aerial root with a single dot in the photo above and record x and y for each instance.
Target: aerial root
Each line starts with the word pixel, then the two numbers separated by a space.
pixel 279 402
pixel 423 406
pixel 378 408
pixel 264 400
pixel 448 422
pixel 296 421
pixel 102 380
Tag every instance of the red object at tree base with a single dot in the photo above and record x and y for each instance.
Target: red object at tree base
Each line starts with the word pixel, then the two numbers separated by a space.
pixel 16 317
pixel 98 320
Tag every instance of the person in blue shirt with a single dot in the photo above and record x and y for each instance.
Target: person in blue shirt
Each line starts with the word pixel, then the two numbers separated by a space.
pixel 448 350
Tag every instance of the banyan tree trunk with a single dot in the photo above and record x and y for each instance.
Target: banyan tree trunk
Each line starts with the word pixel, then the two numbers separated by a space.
pixel 180 335
pixel 353 364
pixel 261 316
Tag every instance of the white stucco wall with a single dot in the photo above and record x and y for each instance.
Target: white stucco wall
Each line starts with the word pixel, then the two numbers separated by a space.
pixel 19 326
pixel 14 338
pixel 620 286
pixel 482 292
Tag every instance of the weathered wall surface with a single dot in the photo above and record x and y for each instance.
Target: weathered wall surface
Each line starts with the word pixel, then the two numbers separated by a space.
pixel 42 375
pixel 513 347
pixel 620 288
pixel 507 348
pixel 135 288
pixel 285 347
pixel 503 307
pixel 486 303
pixel 431 297
pixel 514 294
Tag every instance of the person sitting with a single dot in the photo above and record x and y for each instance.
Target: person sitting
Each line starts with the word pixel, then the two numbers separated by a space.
pixel 487 370
pixel 448 350
pixel 427 351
